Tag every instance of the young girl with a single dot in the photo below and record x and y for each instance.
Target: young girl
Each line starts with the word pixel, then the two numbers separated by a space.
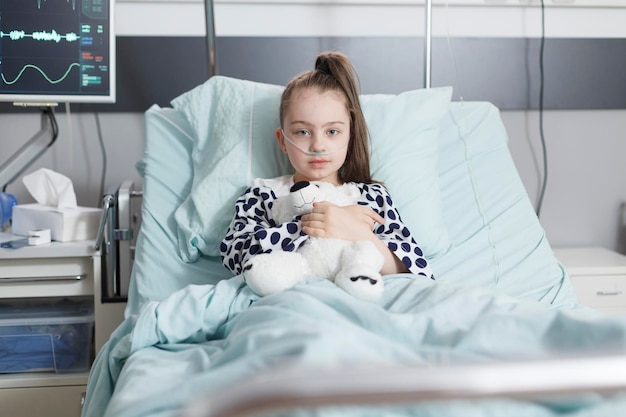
pixel 324 134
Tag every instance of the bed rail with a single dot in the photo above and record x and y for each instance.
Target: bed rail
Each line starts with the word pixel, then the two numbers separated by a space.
pixel 117 235
pixel 292 388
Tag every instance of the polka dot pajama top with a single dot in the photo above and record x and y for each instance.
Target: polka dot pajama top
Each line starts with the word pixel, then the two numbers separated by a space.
pixel 253 230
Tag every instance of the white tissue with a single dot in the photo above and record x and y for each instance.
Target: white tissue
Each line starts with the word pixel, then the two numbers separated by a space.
pixel 49 188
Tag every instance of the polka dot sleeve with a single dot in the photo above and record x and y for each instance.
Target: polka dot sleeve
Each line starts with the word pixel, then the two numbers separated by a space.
pixel 394 233
pixel 253 231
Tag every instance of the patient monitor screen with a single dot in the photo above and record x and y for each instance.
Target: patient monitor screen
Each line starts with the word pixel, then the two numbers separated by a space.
pixel 57 51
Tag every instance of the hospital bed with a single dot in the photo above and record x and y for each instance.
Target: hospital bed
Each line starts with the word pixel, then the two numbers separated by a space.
pixel 500 331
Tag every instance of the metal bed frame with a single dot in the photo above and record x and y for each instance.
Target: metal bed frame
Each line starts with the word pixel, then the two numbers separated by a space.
pixel 287 389
pixel 117 235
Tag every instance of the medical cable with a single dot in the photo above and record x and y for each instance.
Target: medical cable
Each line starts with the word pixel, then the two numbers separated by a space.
pixel 68 118
pixel 307 152
pixel 541 133
pixel 104 157
pixel 46 111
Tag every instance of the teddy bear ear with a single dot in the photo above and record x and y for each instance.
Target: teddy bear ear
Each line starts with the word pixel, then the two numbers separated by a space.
pixel 298 186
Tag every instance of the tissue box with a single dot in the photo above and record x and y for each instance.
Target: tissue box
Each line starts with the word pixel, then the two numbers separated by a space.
pixel 65 224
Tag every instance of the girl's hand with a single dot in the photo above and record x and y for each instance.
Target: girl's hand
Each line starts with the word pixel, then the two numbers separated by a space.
pixel 349 222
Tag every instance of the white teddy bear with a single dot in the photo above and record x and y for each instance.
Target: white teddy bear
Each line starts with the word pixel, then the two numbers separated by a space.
pixel 353 266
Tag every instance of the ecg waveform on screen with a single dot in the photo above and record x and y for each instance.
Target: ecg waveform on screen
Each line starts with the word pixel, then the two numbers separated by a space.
pixel 35 67
pixel 52 36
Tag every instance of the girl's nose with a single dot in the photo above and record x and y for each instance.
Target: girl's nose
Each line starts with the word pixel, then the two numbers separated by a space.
pixel 317 142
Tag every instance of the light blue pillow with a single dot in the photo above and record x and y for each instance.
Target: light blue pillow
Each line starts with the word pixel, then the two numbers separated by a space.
pixel 404 131
pixel 234 123
pixel 497 241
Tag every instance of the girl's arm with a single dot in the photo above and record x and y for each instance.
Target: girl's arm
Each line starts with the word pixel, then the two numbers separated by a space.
pixel 354 223
pixel 394 233
pixel 392 264
pixel 253 231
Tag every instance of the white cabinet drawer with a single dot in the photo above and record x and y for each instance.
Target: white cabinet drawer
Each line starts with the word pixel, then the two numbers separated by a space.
pixel 42 401
pixel 46 277
pixel 604 291
pixel 56 270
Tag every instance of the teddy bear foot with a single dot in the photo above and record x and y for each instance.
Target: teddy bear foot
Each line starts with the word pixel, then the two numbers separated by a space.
pixel 366 286
pixel 360 273
pixel 270 273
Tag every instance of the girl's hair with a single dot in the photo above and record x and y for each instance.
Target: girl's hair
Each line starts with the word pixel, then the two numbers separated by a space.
pixel 334 72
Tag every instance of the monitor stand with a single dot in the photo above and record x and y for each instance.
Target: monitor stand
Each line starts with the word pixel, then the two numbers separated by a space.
pixel 34 148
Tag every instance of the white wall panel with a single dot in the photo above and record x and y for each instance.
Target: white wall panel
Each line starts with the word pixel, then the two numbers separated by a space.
pixel 482 3
pixel 295 18
pixel 159 19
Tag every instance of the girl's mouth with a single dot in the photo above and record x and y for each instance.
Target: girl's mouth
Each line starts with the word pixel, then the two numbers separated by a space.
pixel 318 162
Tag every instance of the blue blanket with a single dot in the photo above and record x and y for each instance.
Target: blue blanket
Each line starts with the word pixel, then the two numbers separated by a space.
pixel 204 338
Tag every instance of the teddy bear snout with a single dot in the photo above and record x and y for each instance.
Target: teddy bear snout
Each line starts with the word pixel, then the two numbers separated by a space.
pixel 304 197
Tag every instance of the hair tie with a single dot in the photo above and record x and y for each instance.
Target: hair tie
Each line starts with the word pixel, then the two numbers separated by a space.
pixel 323 67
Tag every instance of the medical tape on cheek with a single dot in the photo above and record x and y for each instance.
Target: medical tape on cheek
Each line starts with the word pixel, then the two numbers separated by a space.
pixel 306 151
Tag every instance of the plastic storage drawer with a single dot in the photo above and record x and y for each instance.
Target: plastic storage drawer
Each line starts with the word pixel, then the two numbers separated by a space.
pixel 45 336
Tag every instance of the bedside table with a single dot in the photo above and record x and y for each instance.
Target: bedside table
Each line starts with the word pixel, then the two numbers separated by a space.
pixel 598 276
pixel 70 270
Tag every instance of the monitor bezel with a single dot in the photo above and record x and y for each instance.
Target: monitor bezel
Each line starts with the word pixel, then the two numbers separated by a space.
pixel 42 100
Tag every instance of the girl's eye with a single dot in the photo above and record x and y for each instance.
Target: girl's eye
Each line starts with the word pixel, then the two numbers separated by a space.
pixel 333 132
pixel 303 132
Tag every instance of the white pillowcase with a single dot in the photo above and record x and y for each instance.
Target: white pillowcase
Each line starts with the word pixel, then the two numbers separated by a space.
pixel 235 121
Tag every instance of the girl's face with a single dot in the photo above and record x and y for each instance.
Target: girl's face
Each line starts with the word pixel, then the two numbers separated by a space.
pixel 316 122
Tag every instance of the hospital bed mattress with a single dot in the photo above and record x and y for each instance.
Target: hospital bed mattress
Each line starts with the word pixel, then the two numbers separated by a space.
pixel 500 295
